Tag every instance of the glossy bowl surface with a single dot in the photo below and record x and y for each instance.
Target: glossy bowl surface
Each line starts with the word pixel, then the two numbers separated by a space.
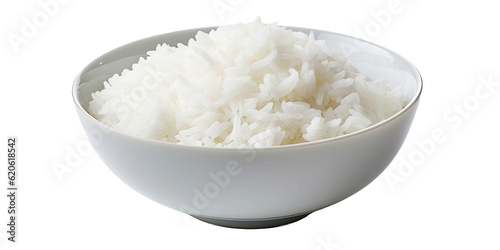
pixel 248 187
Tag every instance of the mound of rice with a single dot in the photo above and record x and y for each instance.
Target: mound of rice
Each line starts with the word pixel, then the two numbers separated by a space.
pixel 250 84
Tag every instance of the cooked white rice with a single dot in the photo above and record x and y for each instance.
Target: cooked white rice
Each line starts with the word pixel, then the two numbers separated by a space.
pixel 244 85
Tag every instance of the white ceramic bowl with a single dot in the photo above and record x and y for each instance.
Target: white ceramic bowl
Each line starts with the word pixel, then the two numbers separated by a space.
pixel 251 188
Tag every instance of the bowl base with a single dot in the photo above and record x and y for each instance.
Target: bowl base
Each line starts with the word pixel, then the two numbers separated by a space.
pixel 252 224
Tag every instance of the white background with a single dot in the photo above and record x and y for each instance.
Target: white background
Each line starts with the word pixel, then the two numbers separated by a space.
pixel 446 197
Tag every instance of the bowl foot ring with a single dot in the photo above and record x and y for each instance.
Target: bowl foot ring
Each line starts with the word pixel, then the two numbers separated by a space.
pixel 252 224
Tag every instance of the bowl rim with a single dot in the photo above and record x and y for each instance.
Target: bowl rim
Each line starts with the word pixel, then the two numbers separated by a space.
pixel 414 100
